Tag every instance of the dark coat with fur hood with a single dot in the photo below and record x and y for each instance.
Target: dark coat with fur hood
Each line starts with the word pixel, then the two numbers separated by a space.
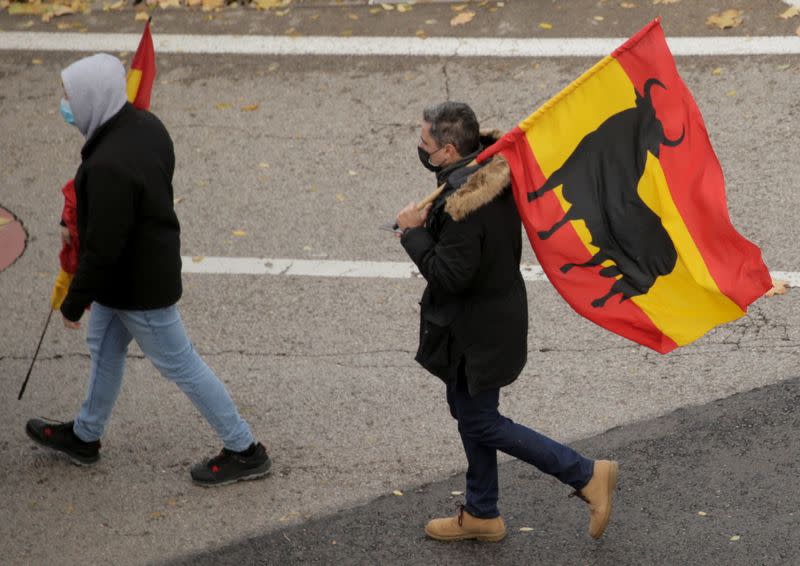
pixel 474 308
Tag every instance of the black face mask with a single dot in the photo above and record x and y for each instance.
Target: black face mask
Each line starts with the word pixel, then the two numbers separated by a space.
pixel 425 159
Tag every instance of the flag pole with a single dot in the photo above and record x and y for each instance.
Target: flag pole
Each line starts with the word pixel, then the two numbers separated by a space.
pixel 33 361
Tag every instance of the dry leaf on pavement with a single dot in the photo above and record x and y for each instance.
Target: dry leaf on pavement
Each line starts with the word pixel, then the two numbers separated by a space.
pixel 627 5
pixel 250 108
pixel 270 4
pixel 462 18
pixel 545 25
pixel 666 1
pixel 164 4
pixel 209 5
pixel 402 8
pixel 239 233
pixel 525 529
pixel 791 13
pixel 397 492
pixel 725 20
pixel 779 287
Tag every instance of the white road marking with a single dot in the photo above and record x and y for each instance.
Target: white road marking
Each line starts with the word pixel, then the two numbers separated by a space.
pixel 340 268
pixel 387 46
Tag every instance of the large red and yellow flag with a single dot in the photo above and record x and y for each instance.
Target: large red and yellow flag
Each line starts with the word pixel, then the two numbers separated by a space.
pixel 623 200
pixel 142 73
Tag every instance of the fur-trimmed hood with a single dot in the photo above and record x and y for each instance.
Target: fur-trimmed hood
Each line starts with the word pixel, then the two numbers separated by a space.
pixel 481 188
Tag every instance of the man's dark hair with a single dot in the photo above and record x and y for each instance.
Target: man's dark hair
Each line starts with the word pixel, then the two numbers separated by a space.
pixel 454 123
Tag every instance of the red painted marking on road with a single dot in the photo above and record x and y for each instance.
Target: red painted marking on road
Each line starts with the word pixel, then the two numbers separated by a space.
pixel 13 238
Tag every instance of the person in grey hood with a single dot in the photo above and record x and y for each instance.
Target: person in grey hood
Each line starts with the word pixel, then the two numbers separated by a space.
pixel 129 271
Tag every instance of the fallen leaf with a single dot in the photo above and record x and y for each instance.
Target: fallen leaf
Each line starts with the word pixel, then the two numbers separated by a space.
pixel 375 10
pixel 141 16
pixel 28 24
pixel 271 4
pixel 525 529
pixel 627 5
pixel 545 25
pixel 239 233
pixel 666 1
pixel 730 93
pixel 420 33
pixel 194 3
pixel 222 106
pixel 172 503
pixel 458 7
pixel 783 67
pixel 791 13
pixel 599 18
pixel 430 22
pixel 70 508
pixel 779 287
pixel 340 197
pixel 351 172
pixel 250 108
pixel 347 33
pixel 456 493
pixel 197 258
pixel 462 18
pixel 155 515
pixel 116 6
pixel 725 20
pixel 734 538
pixel 397 492
pixel 164 4
pixel 306 248
pixel 702 513
pixel 717 71
pixel 36 62
pixel 353 17
pixel 403 8
pixel 209 5
pixel 387 7
pixel 264 165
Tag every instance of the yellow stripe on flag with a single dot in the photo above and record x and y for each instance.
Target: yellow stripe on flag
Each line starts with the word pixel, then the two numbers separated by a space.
pixel 134 80
pixel 684 304
pixel 687 303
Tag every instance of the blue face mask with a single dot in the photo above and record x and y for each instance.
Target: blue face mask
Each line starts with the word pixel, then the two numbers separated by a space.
pixel 66 112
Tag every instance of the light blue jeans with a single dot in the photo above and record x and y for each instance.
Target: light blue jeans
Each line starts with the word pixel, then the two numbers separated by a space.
pixel 162 338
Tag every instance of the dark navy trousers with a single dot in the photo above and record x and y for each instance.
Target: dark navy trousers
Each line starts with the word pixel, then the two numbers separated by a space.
pixel 484 431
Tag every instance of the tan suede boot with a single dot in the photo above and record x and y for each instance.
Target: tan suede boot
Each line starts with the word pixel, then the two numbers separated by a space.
pixel 598 494
pixel 464 526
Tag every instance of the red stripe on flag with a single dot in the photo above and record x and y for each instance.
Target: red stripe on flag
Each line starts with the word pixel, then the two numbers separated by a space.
pixel 583 285
pixel 693 172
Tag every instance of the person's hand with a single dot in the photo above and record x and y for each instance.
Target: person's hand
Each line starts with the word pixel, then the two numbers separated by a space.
pixel 69 324
pixel 410 217
pixel 66 239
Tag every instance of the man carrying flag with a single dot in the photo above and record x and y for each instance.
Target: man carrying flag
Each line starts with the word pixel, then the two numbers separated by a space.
pixel 474 323
pixel 129 271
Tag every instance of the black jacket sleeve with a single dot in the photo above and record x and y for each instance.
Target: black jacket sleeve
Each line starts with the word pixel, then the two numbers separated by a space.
pixel 110 216
pixel 451 263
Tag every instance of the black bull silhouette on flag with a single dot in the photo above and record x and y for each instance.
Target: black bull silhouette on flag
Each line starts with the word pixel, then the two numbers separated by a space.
pixel 600 180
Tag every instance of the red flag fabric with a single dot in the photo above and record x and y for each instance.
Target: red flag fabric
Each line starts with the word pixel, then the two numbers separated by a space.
pixel 623 201
pixel 142 73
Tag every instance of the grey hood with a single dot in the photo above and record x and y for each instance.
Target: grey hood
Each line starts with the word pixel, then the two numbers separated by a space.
pixel 96 90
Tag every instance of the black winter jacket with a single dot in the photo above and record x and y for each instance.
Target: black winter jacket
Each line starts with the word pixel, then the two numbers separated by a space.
pixel 474 306
pixel 128 231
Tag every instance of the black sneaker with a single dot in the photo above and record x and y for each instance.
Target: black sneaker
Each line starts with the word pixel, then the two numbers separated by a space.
pixel 229 467
pixel 59 436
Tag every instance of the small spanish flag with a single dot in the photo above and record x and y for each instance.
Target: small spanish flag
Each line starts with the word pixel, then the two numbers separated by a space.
pixel 623 201
pixel 142 73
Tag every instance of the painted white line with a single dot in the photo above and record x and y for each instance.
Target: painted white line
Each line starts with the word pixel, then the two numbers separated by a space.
pixel 338 268
pixel 387 46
